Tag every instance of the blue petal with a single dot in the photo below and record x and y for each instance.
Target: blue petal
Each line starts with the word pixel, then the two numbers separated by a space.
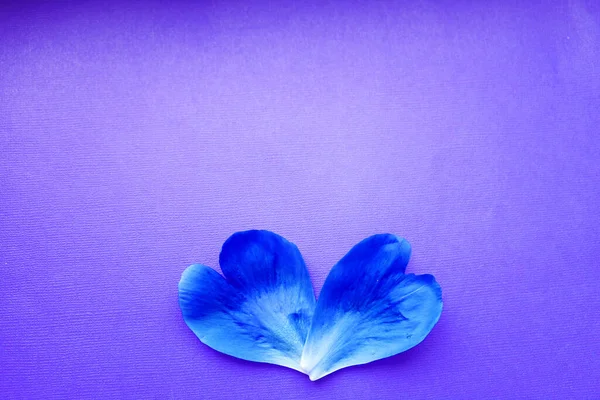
pixel 369 309
pixel 261 311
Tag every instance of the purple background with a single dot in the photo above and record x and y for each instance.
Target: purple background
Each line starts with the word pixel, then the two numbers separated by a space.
pixel 136 138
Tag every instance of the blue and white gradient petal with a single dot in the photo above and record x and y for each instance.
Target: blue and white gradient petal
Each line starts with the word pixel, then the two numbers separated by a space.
pixel 262 310
pixel 369 308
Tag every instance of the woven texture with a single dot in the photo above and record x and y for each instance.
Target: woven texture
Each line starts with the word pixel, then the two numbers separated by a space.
pixel 135 138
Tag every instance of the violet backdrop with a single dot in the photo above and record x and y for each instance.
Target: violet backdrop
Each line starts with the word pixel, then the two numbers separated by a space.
pixel 135 138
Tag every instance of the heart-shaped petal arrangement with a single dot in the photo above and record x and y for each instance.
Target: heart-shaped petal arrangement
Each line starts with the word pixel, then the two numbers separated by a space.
pixel 264 309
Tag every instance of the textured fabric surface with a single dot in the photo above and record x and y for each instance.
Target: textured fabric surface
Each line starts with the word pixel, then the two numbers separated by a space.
pixel 135 138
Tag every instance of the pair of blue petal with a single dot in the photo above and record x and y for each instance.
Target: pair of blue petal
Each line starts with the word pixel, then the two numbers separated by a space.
pixel 264 308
